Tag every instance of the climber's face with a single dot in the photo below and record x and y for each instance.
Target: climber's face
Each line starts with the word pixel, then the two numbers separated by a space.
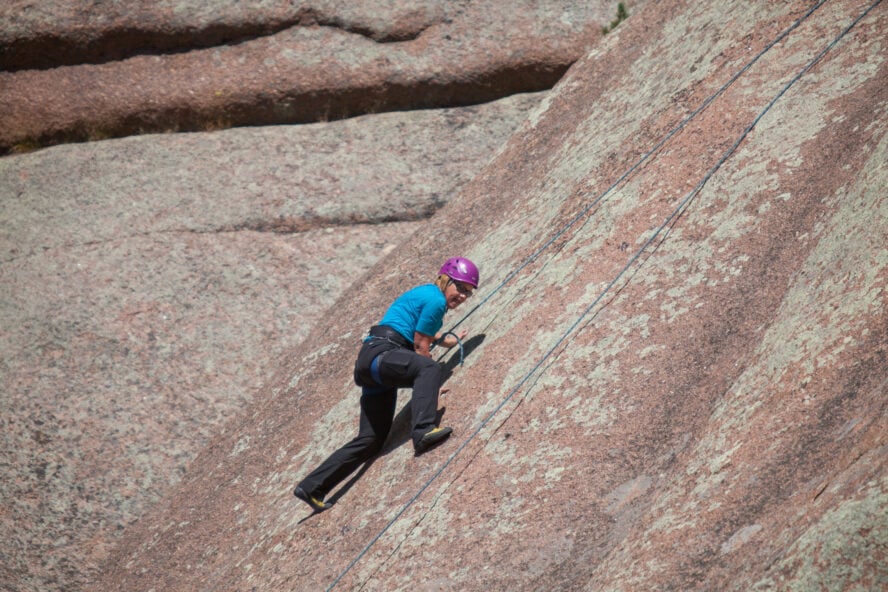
pixel 456 293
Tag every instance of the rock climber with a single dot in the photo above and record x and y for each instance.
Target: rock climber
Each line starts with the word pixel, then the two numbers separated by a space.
pixel 397 354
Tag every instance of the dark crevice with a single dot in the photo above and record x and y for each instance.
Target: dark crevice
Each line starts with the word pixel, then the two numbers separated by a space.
pixel 279 225
pixel 315 106
pixel 301 224
pixel 49 50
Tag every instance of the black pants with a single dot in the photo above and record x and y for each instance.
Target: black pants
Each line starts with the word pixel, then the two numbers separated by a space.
pixel 398 367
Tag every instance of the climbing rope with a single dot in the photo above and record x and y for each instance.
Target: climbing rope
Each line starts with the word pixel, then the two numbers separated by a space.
pixel 680 208
pixel 644 158
pixel 458 342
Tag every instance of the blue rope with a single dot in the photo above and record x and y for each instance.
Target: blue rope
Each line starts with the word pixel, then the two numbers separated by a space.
pixel 682 206
pixel 582 213
pixel 458 342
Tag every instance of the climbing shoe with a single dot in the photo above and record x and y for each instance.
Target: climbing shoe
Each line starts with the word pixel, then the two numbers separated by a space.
pixel 316 504
pixel 431 438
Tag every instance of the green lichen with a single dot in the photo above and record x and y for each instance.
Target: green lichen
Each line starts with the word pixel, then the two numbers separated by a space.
pixel 845 550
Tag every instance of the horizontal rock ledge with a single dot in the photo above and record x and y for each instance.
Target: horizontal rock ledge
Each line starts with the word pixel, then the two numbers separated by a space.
pixel 52 48
pixel 453 55
pixel 113 119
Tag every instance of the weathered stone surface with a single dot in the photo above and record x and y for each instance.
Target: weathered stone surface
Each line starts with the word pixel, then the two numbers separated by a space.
pixel 151 284
pixel 367 170
pixel 51 34
pixel 464 53
pixel 699 408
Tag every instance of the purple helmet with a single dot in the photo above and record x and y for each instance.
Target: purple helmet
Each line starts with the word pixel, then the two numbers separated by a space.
pixel 461 270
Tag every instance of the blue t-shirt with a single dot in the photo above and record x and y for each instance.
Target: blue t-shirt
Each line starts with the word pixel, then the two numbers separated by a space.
pixel 418 310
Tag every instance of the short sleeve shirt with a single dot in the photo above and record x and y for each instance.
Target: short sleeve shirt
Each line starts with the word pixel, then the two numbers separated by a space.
pixel 418 310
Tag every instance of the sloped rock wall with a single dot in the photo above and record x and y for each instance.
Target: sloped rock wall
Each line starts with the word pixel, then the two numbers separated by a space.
pixel 676 383
pixel 151 284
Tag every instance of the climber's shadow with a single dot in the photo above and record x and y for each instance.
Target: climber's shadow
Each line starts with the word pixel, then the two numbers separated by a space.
pixel 401 427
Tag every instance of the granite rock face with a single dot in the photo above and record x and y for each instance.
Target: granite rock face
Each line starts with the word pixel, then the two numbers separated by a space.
pixel 51 34
pixel 676 376
pixel 93 70
pixel 150 285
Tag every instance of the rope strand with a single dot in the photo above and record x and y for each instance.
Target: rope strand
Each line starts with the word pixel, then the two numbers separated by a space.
pixel 585 211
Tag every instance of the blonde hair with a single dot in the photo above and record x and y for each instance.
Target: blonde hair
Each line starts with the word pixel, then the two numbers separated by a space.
pixel 442 281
